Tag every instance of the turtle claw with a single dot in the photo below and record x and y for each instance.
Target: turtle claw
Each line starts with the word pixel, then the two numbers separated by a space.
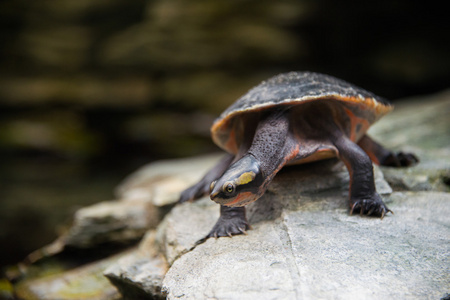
pixel 370 212
pixel 352 209
pixel 370 206
pixel 227 227
pixel 244 232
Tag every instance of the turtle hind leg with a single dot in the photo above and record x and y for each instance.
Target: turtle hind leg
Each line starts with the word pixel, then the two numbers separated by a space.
pixel 363 195
pixel 384 157
pixel 232 221
pixel 201 188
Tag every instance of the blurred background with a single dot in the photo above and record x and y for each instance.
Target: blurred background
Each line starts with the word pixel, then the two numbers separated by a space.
pixel 90 90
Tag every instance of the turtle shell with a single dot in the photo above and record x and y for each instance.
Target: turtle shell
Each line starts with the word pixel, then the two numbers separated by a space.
pixel 291 89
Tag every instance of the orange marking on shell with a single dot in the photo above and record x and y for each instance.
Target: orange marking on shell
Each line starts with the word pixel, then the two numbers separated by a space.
pixel 318 155
pixel 293 153
pixel 222 125
pixel 369 103
pixel 355 121
pixel 231 142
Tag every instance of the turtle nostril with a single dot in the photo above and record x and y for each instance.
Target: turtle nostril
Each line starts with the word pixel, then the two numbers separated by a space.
pixel 211 187
pixel 213 195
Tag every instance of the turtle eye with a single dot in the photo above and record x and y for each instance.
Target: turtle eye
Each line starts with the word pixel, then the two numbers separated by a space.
pixel 228 187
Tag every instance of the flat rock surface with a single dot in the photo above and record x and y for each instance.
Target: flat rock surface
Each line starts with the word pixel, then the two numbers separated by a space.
pixel 324 254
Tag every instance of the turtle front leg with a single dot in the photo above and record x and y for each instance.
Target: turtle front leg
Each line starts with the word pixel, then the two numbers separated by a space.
pixel 232 221
pixel 363 195
pixel 384 157
pixel 201 188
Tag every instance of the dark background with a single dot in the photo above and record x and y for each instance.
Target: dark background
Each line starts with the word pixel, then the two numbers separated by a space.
pixel 91 90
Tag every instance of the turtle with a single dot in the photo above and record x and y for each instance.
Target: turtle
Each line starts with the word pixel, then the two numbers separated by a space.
pixel 294 118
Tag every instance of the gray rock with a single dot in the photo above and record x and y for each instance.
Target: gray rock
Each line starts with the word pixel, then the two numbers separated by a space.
pixel 139 273
pixel 162 182
pixel 323 254
pixel 144 197
pixel 184 226
pixel 419 178
pixel 420 126
pixel 303 245
pixel 244 267
pixel 110 221
pixel 358 258
pixel 322 185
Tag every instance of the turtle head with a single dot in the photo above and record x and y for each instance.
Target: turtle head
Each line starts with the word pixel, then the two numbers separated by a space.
pixel 240 184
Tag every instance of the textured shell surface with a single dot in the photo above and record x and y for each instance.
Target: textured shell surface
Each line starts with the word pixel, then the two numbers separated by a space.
pixel 296 87
pixel 291 89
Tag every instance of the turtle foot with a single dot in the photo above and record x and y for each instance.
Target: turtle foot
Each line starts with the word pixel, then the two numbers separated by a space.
pixel 202 187
pixel 194 192
pixel 227 227
pixel 400 159
pixel 370 206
